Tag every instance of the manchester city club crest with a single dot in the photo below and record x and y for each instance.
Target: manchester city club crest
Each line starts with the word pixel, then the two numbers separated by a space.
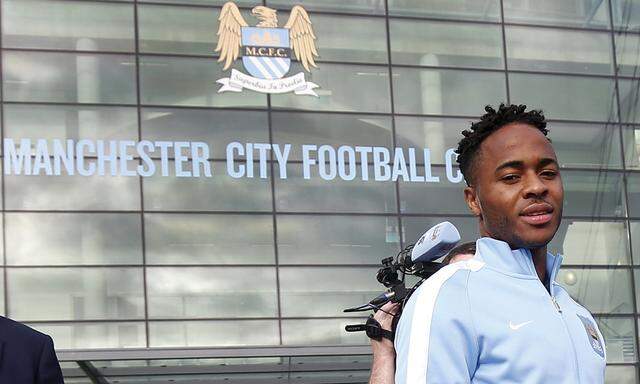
pixel 266 50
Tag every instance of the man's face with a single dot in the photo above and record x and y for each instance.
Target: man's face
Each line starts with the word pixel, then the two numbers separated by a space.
pixel 517 190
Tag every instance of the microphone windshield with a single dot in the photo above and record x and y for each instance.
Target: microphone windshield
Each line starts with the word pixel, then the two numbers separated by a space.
pixel 435 243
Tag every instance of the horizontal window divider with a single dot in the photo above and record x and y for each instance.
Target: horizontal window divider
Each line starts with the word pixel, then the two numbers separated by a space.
pixel 555 74
pixel 614 315
pixel 563 27
pixel 627 77
pixel 86 321
pixel 63 266
pixel 596 266
pixel 67 104
pixel 53 50
pixel 448 68
pixel 620 31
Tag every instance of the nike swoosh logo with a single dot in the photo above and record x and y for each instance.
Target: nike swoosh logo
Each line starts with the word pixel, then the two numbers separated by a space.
pixel 515 327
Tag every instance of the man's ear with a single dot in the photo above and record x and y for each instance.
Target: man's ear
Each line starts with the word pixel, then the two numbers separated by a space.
pixel 471 197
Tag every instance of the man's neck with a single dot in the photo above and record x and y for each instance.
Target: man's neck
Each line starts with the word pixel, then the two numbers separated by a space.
pixel 540 262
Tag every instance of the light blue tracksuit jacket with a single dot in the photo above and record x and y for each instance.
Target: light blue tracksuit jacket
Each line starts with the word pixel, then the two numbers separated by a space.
pixel 491 320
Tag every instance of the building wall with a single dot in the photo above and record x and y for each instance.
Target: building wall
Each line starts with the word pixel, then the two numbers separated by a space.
pixel 116 261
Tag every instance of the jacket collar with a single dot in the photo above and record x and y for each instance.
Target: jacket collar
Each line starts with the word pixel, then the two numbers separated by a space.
pixel 498 255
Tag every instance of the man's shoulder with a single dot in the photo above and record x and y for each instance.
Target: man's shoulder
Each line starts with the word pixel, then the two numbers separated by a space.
pixel 11 330
pixel 451 280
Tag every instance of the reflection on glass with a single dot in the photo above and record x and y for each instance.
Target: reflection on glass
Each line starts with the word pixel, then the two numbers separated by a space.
pixel 73 238
pixel 75 293
pixel 213 333
pixel 71 78
pixel 628 54
pixel 446 92
pixel 593 193
pixel 635 242
pixel 209 239
pixel 352 6
pixel 330 129
pixel 631 138
pixel 580 13
pixel 336 239
pixel 84 26
pixel 565 97
pixel 620 374
pixel 435 43
pixel 620 339
pixel 626 14
pixel 633 193
pixel 190 82
pixel 322 332
pixel 76 193
pixel 214 127
pixel 591 242
pixel 178 29
pixel 630 100
pixel 325 291
pixel 219 192
pixel 599 290
pixel 197 292
pixel 446 9
pixel 341 88
pixel 297 194
pixel 433 197
pixel 557 50
pixel 70 122
pixel 586 145
pixel 94 335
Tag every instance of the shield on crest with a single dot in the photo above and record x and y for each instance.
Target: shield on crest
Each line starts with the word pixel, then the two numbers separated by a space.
pixel 266 52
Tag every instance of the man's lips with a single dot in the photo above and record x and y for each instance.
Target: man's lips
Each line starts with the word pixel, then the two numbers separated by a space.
pixel 537 214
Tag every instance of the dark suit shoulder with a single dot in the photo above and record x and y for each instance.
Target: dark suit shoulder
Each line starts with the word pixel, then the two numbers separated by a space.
pixel 11 330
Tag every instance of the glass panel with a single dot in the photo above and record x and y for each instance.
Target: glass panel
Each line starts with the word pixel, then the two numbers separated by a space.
pixel 73 238
pixel 565 97
pixel 317 195
pixel 620 375
pixel 627 53
pixel 586 145
pixel 366 42
pixel 330 129
pixel 633 192
pixel 629 100
pixel 341 88
pixel 631 137
pixel 414 227
pixel 591 193
pixel 217 193
pixel 446 92
pixel 433 43
pixel 336 239
pixel 620 339
pixel 190 82
pixel 580 13
pixel 74 193
pixel 213 333
pixel 599 290
pixel 75 293
pixel 70 78
pixel 326 291
pixel 192 292
pixel 173 29
pixel 437 134
pixel 446 9
pixel 352 6
pixel 441 196
pixel 592 242
pixel 635 242
pixel 626 14
pixel 322 332
pixel 209 239
pixel 215 127
pixel 84 26
pixel 70 122
pixel 557 50
pixel 95 335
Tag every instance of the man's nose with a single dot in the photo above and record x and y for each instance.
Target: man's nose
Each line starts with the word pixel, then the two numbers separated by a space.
pixel 534 187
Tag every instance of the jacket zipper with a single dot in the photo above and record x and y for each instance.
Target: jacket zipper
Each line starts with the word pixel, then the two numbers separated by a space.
pixel 566 328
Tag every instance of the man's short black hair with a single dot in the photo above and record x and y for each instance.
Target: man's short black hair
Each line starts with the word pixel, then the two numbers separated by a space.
pixel 469 146
pixel 462 249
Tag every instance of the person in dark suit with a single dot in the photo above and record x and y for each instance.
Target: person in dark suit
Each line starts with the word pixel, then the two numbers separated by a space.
pixel 27 356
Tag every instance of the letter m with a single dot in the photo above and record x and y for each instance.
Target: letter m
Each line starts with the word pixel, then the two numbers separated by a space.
pixel 16 161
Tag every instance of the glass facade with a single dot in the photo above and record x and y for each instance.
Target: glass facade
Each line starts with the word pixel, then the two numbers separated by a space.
pixel 120 262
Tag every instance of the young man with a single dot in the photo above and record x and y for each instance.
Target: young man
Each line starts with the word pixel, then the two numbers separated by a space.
pixel 383 367
pixel 500 317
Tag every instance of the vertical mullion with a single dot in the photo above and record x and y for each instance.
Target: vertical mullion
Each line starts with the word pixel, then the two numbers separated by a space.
pixel 504 52
pixel 624 179
pixel 2 121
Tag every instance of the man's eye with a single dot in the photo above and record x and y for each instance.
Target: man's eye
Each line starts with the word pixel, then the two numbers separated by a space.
pixel 510 178
pixel 549 174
